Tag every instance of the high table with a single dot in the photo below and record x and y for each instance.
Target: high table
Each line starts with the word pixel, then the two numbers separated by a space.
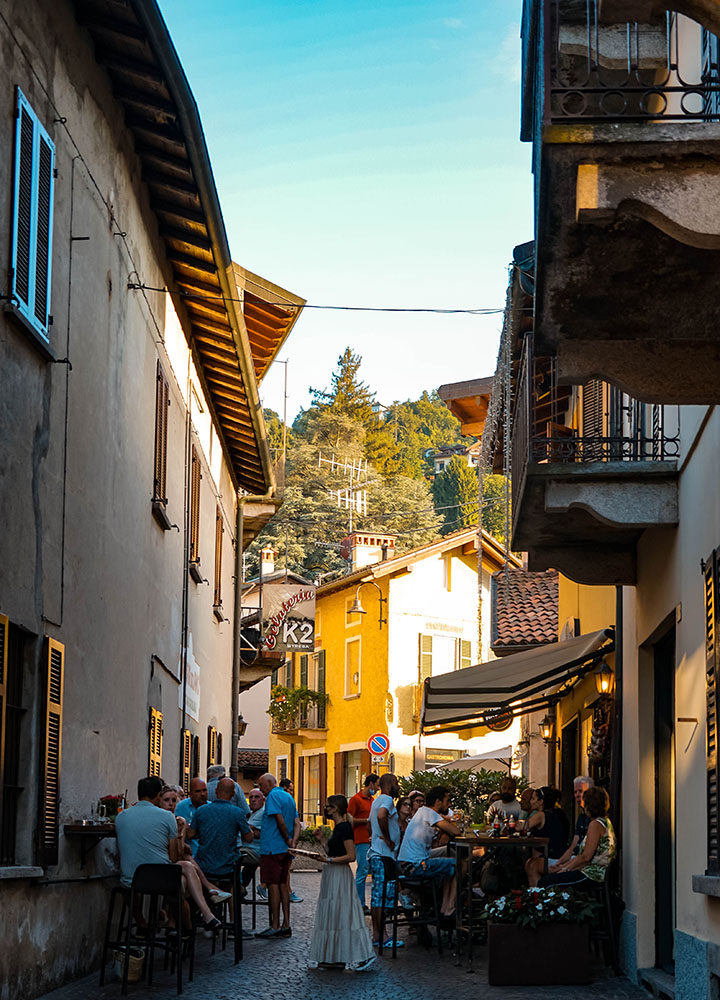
pixel 89 836
pixel 463 873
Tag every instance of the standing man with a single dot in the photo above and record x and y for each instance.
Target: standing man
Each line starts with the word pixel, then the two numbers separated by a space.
pixel 279 832
pixel 385 840
pixel 189 806
pixel 287 786
pixel 359 808
pixel 214 773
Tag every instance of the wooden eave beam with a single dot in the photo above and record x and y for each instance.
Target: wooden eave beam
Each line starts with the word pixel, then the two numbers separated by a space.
pixel 157 179
pixel 177 210
pixel 145 99
pixel 110 26
pixel 187 236
pixel 121 63
pixel 196 263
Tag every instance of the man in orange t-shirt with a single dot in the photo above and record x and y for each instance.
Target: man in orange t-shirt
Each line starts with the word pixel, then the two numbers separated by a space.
pixel 359 808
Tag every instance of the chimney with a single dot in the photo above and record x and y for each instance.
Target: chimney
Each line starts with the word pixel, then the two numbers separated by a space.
pixel 366 548
pixel 267 558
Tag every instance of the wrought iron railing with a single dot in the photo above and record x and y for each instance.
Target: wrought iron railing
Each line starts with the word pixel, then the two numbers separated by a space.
pixel 597 422
pixel 310 717
pixel 665 70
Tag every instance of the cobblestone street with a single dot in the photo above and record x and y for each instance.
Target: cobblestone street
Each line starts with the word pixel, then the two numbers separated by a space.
pixel 279 968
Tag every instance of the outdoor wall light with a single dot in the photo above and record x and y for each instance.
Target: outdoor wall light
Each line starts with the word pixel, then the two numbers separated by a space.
pixel 604 678
pixel 358 609
pixel 547 729
pixel 241 725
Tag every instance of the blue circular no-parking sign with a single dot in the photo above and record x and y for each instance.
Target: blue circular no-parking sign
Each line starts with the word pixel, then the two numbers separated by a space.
pixel 378 745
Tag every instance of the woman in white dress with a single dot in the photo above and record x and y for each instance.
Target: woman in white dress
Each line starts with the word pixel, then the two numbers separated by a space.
pixel 340 935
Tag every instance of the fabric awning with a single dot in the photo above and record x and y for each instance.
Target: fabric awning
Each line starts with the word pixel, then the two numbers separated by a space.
pixel 502 756
pixel 510 686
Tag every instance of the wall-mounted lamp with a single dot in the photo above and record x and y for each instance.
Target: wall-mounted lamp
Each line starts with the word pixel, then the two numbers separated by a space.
pixel 358 609
pixel 604 678
pixel 242 725
pixel 547 729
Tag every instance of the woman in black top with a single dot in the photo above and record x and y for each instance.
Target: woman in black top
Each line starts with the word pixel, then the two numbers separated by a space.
pixel 340 935
pixel 549 822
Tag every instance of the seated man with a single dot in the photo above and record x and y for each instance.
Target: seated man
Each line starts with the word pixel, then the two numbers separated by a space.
pixel 216 826
pixel 507 804
pixel 415 854
pixel 257 811
pixel 189 806
pixel 214 774
pixel 148 835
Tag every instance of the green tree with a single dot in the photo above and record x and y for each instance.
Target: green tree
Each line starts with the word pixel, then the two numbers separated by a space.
pixel 348 394
pixel 493 512
pixel 455 490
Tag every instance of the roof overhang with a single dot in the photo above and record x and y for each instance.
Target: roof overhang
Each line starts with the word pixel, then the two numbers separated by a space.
pixel 468 401
pixel 270 313
pixel 515 685
pixel 132 42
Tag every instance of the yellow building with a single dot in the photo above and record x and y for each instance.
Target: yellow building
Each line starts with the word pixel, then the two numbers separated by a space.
pixel 420 619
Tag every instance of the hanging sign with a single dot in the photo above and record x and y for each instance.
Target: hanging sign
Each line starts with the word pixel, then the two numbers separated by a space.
pixel 288 618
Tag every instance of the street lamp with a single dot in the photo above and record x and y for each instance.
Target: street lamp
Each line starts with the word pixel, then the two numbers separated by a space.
pixel 358 609
pixel 241 725
pixel 547 730
pixel 604 678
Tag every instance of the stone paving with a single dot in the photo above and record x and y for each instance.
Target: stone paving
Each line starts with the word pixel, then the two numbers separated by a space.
pixel 272 969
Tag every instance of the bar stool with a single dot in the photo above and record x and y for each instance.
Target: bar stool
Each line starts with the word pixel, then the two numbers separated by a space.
pixel 392 873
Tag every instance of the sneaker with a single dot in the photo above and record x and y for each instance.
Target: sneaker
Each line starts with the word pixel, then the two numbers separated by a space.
pixel 364 966
pixel 247 935
pixel 269 932
pixel 294 898
pixel 388 943
pixel 376 944
pixel 284 932
pixel 262 892
pixel 219 896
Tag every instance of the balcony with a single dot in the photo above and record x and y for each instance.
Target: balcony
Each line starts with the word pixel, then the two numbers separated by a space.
pixel 592 469
pixel 304 723
pixel 625 121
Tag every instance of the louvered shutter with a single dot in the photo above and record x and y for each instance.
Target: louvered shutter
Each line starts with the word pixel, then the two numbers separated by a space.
pixel 289 672
pixel 186 759
pixel 425 656
pixel 593 419
pixel 195 766
pixel 465 653
pixel 321 689
pixel 303 670
pixel 322 780
pixel 212 746
pixel 49 818
pixel 155 743
pixel 195 507
pixel 711 691
pixel 31 253
pixel 162 401
pixel 217 593
pixel 340 773
pixel 218 751
pixel 4 628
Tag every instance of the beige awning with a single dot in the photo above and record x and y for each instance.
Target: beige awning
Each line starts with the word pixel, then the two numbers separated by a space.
pixel 510 686
pixel 480 761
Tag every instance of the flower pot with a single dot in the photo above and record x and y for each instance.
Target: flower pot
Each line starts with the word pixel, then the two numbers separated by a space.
pixel 553 954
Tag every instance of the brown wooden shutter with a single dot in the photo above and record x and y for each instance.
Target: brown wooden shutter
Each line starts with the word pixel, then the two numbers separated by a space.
pixel 365 765
pixel 339 773
pixel 195 507
pixel 424 656
pixel 49 818
pixel 301 786
pixel 218 752
pixel 303 670
pixel 212 746
pixel 711 693
pixel 321 688
pixel 4 630
pixel 217 592
pixel 289 671
pixel 322 780
pixel 162 401
pixel 465 653
pixel 155 744
pixel 186 759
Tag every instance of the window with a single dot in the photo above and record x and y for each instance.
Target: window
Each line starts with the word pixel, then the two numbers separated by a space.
pixel 352 668
pixel 217 590
pixel 353 772
pixel 162 402
pixel 11 716
pixel 155 744
pixel 311 803
pixel 711 74
pixel 33 180
pixel 195 507
pixel 312 675
pixel 712 688
pixel 49 818
pixel 282 768
pixel 212 746
pixel 195 758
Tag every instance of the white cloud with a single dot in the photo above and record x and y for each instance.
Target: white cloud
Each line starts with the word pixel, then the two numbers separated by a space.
pixel 453 22
pixel 507 62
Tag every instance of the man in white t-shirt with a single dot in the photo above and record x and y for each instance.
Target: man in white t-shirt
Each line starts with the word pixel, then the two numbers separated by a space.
pixel 415 855
pixel 507 803
pixel 384 842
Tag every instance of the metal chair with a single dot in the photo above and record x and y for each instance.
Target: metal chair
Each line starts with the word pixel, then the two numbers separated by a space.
pixel 419 884
pixel 155 881
pixel 603 929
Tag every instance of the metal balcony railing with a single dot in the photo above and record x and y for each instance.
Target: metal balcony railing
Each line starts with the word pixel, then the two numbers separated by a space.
pixel 597 422
pixel 668 70
pixel 312 717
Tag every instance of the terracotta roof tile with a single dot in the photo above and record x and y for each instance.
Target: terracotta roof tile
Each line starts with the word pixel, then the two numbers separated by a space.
pixel 524 609
pixel 254 759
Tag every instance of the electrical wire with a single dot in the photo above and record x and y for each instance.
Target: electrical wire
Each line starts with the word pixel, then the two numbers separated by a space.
pixel 204 297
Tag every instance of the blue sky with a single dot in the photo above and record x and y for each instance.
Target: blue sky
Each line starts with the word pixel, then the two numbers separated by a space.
pixel 367 154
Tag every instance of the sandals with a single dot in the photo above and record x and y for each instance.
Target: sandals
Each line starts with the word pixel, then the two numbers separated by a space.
pixel 211 926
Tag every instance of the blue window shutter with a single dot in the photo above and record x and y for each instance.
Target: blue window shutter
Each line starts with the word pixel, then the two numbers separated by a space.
pixel 32 217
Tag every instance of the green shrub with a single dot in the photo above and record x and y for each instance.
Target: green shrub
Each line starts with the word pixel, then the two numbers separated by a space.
pixel 469 790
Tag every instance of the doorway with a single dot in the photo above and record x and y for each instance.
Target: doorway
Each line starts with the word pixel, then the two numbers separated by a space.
pixel 664 713
pixel 569 764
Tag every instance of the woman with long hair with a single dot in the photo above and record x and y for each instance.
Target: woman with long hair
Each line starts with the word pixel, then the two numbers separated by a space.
pixel 404 810
pixel 546 821
pixel 340 935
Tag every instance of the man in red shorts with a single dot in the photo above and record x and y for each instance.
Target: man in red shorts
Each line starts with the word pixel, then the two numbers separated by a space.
pixel 279 831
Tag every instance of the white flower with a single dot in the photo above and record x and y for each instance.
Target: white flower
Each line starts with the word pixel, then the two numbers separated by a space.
pixel 534 889
pixel 566 895
pixel 538 907
pixel 562 909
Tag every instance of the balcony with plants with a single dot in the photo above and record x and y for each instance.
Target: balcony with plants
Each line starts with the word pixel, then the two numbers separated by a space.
pixel 297 713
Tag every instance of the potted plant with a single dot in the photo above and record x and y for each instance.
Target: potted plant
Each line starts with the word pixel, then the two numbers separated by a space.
pixel 289 706
pixel 539 937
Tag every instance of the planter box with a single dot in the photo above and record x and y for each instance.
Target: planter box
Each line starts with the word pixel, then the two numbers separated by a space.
pixel 549 955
